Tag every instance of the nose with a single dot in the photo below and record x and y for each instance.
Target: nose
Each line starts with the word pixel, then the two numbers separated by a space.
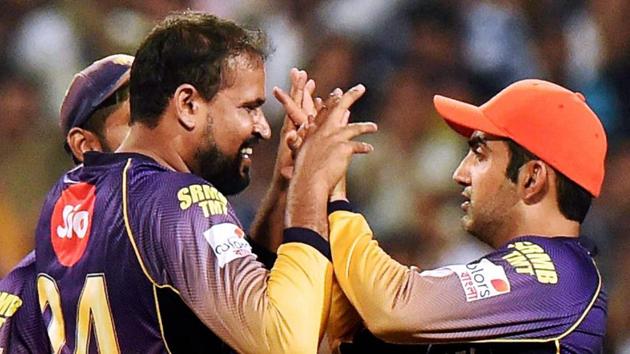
pixel 261 126
pixel 461 175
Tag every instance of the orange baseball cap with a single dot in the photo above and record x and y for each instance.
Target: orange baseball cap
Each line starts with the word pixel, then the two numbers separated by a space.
pixel 548 120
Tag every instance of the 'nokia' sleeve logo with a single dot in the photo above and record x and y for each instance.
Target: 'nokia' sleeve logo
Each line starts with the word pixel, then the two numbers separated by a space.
pixel 227 242
pixel 71 222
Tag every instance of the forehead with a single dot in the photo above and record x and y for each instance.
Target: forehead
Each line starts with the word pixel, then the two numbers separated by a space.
pixel 479 135
pixel 243 78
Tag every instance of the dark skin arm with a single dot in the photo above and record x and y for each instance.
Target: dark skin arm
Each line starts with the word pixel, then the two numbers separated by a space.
pixel 266 230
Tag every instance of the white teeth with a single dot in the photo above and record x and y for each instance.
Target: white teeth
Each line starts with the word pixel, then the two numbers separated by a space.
pixel 247 151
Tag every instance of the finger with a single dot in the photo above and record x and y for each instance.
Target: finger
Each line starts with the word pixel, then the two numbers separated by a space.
pixel 348 99
pixel 353 130
pixel 293 75
pixel 319 104
pixel 308 105
pixel 290 138
pixel 298 95
pixel 294 112
pixel 294 140
pixel 359 147
pixel 331 101
pixel 346 118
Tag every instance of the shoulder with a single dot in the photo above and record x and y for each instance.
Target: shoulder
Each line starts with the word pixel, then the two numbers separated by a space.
pixel 20 276
pixel 558 261
pixel 163 199
pixel 556 272
pixel 18 288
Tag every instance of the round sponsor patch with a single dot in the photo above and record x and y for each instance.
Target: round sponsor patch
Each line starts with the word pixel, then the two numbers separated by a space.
pixel 500 285
pixel 71 222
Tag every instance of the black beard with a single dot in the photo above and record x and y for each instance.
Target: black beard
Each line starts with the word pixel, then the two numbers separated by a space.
pixel 223 172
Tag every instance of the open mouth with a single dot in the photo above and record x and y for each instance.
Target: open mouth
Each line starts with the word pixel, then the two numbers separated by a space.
pixel 246 152
pixel 466 203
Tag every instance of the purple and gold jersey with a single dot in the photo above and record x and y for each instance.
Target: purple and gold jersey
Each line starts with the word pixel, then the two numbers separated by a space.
pixel 533 295
pixel 135 258
pixel 22 329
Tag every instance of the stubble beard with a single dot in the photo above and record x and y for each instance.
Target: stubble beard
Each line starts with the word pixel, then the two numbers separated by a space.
pixel 222 171
pixel 489 222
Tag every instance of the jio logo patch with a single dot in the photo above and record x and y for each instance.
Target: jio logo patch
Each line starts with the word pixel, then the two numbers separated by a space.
pixel 71 222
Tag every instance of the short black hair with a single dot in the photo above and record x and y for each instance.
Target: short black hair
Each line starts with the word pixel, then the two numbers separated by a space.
pixel 186 47
pixel 573 200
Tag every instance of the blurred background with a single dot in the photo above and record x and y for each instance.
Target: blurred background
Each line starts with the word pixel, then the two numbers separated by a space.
pixel 404 51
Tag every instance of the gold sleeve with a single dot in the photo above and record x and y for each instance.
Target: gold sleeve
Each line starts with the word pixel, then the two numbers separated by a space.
pixel 376 285
pixel 298 291
pixel 344 320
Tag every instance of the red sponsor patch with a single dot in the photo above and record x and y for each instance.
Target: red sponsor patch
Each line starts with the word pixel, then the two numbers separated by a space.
pixel 240 233
pixel 500 285
pixel 71 222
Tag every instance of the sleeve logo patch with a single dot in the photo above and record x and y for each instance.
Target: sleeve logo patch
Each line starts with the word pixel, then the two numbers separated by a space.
pixel 9 304
pixel 206 197
pixel 529 258
pixel 228 242
pixel 482 280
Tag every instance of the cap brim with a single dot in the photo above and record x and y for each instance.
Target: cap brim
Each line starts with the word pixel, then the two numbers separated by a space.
pixel 464 118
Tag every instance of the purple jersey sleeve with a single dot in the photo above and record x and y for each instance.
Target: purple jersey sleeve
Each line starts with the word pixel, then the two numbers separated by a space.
pixel 22 329
pixel 190 241
pixel 532 289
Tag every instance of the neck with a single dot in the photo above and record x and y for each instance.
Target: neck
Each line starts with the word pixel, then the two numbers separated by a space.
pixel 150 142
pixel 543 222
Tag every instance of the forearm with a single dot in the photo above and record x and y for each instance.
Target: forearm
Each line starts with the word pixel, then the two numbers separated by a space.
pixel 307 206
pixel 376 285
pixel 266 230
pixel 255 311
pixel 344 320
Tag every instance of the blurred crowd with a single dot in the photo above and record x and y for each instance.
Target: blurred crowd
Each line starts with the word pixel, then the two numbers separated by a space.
pixel 404 51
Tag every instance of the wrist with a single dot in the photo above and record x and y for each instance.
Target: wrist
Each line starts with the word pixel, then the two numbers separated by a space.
pixel 307 207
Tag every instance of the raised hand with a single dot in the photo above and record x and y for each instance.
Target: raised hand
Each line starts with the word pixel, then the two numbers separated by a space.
pixel 324 158
pixel 300 106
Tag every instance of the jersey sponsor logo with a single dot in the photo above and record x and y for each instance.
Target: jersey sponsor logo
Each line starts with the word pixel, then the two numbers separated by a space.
pixel 227 242
pixel 71 222
pixel 529 258
pixel 482 280
pixel 208 198
pixel 9 304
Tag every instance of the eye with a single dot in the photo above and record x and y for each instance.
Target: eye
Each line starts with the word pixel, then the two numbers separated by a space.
pixel 478 151
pixel 250 109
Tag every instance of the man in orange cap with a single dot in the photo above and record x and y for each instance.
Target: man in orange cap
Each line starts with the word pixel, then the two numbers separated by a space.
pixel 536 160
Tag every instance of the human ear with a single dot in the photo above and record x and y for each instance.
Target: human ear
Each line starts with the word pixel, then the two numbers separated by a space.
pixel 81 141
pixel 533 181
pixel 187 104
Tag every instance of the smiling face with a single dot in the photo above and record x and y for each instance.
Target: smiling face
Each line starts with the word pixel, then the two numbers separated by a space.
pixel 234 124
pixel 490 196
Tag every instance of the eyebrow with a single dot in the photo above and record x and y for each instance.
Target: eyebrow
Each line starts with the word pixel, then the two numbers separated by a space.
pixel 255 103
pixel 475 141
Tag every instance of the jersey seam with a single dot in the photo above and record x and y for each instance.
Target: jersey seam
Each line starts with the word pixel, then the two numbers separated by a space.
pixel 567 332
pixel 159 316
pixel 130 235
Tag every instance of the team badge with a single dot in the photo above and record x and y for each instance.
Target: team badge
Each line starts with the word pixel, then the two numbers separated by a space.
pixel 228 242
pixel 482 280
pixel 71 222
